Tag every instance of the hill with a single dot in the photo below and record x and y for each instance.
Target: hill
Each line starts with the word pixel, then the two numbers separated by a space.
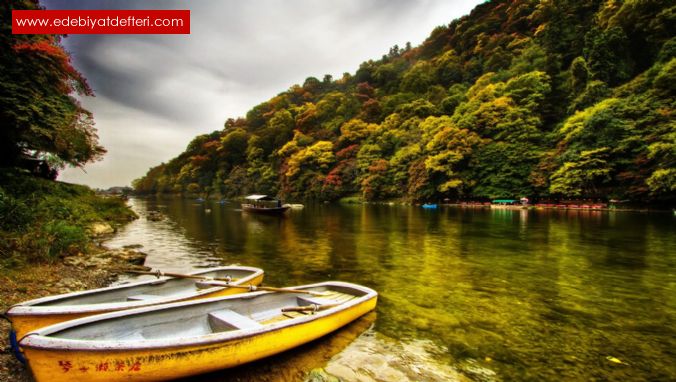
pixel 546 99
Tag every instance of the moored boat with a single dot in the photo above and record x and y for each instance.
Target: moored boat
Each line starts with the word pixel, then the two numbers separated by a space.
pixel 34 314
pixel 187 338
pixel 264 204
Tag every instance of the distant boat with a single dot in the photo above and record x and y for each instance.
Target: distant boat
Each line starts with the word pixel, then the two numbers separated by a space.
pixel 430 206
pixel 264 204
pixel 183 339
pixel 296 206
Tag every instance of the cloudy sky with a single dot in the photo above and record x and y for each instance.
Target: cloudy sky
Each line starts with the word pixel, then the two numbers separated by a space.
pixel 154 93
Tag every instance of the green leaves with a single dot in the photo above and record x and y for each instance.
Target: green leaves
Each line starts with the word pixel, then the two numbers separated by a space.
pixel 583 177
pixel 540 99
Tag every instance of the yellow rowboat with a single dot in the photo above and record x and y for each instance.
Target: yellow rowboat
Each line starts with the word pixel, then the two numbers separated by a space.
pixel 35 314
pixel 187 338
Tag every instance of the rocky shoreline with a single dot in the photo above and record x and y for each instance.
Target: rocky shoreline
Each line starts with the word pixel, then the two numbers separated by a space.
pixel 98 268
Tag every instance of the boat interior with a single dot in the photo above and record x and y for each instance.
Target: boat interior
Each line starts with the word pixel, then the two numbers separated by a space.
pixel 160 288
pixel 201 318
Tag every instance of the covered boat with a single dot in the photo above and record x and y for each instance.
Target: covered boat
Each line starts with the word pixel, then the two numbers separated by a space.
pixel 264 204
pixel 34 314
pixel 176 340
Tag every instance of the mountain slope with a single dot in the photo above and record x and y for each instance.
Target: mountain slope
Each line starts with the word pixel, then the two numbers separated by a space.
pixel 547 99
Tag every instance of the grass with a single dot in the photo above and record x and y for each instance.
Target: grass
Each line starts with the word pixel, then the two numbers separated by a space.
pixel 43 220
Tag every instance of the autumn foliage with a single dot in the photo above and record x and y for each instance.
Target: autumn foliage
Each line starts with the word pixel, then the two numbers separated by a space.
pixel 545 99
pixel 40 115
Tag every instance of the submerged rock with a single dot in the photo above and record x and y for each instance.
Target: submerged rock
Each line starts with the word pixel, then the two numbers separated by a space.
pixel 374 358
pixel 154 216
pixel 319 375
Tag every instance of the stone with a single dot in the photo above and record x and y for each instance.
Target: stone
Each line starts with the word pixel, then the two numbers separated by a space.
pixel 110 258
pixel 99 229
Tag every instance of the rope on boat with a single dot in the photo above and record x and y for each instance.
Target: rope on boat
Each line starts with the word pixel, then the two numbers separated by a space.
pixel 14 345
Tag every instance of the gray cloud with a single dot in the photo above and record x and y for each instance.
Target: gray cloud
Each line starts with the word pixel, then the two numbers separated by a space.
pixel 156 92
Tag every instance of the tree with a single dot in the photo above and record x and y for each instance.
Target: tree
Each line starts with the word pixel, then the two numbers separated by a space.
pixel 233 146
pixel 607 55
pixel 354 131
pixel 517 98
pixel 418 78
pixel 448 153
pixel 583 177
pixel 38 112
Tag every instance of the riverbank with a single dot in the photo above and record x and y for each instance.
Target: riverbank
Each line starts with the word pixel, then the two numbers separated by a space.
pixel 50 243
pixel 44 220
pixel 78 272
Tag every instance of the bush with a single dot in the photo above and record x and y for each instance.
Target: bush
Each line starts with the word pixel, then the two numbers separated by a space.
pixel 43 219
pixel 15 214
pixel 65 238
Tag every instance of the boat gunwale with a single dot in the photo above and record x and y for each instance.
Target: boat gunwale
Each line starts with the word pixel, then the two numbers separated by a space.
pixel 32 307
pixel 40 340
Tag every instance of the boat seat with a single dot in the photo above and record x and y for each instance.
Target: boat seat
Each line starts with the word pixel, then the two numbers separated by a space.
pixel 226 319
pixel 142 297
pixel 305 301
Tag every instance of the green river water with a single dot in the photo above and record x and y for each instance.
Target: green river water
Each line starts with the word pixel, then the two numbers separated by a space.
pixel 465 294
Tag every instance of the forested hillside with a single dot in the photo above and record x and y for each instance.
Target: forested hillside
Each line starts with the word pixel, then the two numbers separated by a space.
pixel 546 99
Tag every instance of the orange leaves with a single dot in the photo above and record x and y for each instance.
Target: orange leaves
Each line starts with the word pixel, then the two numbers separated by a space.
pixel 47 48
pixel 198 160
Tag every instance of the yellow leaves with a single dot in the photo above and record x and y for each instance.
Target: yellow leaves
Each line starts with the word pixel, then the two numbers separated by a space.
pixel 666 77
pixel 541 28
pixel 615 360
pixel 289 147
pixel 306 115
pixel 502 102
pixel 320 155
pixel 432 125
pixel 443 162
pixel 575 125
pixel 405 155
pixel 581 177
pixel 448 56
pixel 450 185
pixel 481 83
pixel 355 130
pixel 662 180
pixel 299 141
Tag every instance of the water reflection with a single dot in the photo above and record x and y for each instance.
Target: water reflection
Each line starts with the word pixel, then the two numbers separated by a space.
pixel 501 294
pixel 294 365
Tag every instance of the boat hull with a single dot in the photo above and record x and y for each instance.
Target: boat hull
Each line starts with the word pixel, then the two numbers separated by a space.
pixel 164 363
pixel 265 211
pixel 26 318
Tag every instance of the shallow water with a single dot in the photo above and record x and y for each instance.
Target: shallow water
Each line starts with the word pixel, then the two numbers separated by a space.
pixel 465 294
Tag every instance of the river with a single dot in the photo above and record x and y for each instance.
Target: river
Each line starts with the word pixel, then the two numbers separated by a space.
pixel 465 294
